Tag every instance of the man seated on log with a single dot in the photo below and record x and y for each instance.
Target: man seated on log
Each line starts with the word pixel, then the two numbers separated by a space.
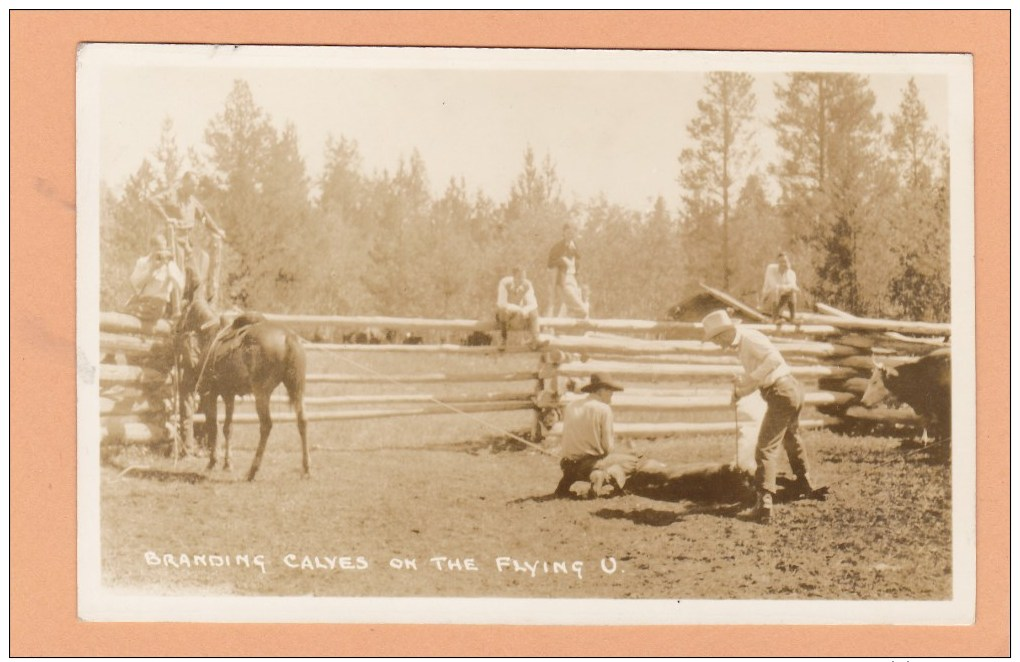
pixel 588 445
pixel 158 283
pixel 516 306
pixel 766 370
pixel 780 288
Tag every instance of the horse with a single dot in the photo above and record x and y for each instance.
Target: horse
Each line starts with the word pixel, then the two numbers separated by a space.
pixel 250 356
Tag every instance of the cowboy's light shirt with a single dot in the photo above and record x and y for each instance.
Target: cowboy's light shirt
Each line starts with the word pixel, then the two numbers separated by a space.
pixel 587 429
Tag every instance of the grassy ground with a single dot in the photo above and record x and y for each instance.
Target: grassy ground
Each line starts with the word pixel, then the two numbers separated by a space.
pixel 447 487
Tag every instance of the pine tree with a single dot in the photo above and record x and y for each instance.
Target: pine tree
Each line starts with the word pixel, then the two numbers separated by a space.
pixel 532 221
pixel 920 286
pixel 712 171
pixel 831 180
pixel 757 237
pixel 403 237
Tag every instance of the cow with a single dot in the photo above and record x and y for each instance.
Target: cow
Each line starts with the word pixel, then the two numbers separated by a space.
pixel 478 339
pixel 412 339
pixel 925 385
pixel 371 336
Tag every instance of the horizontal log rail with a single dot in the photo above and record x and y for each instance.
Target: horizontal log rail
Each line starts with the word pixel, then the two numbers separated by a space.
pixel 625 402
pixel 868 324
pixel 119 405
pixel 118 343
pixel 403 398
pixel 553 323
pixel 445 348
pixel 124 323
pixel 357 414
pixel 110 374
pixel 669 429
pixel 135 433
pixel 622 370
pixel 683 348
pixel 420 378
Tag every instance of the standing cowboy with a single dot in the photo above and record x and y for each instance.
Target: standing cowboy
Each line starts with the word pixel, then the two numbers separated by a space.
pixel 566 260
pixel 185 213
pixel 766 370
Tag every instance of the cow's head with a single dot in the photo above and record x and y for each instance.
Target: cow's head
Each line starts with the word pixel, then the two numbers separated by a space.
pixel 876 390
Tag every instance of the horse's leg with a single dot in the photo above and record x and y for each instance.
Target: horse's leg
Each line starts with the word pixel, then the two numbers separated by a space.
pixel 302 426
pixel 209 409
pixel 228 420
pixel 265 425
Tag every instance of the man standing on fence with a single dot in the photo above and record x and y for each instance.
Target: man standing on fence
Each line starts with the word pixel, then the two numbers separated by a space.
pixel 588 444
pixel 766 370
pixel 185 214
pixel 566 259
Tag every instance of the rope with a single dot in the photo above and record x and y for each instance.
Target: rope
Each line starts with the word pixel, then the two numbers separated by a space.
pixel 477 419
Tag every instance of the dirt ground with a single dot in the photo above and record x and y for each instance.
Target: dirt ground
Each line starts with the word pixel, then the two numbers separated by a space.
pixel 441 508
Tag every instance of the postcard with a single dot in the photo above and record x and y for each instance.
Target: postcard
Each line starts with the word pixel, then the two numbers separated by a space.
pixel 525 336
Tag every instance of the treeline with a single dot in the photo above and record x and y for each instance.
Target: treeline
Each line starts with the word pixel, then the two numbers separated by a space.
pixel 862 210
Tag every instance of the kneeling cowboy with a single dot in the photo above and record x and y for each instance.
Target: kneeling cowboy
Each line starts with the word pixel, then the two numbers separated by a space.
pixel 765 369
pixel 588 444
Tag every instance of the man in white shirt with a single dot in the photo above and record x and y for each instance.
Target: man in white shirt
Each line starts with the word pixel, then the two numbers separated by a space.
pixel 588 445
pixel 780 288
pixel 766 370
pixel 516 305
pixel 158 283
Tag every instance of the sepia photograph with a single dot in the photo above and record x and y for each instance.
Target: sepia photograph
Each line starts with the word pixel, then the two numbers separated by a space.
pixel 524 336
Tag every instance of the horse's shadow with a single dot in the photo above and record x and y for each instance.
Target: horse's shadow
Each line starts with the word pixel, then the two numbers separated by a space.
pixel 161 475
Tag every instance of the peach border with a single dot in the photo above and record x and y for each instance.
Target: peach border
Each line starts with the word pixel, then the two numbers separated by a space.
pixel 42 453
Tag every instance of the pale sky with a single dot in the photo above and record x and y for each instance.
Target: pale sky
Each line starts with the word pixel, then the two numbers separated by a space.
pixel 608 127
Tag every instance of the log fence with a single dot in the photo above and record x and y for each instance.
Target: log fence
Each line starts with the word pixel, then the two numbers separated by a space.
pixel 668 372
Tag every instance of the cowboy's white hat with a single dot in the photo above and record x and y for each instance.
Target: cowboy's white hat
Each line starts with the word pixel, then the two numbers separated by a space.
pixel 715 323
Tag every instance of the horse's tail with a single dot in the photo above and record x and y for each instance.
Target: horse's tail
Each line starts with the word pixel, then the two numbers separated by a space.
pixel 294 379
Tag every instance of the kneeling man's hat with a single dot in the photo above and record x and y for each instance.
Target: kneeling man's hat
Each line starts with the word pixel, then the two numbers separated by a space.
pixel 600 380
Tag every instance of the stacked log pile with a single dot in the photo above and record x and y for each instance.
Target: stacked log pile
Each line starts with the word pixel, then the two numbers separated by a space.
pixel 135 383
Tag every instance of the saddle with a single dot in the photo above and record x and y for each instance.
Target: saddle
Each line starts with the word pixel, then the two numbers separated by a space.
pixel 232 335
pixel 228 339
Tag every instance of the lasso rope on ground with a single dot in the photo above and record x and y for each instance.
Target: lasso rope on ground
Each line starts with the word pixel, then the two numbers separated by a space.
pixel 456 410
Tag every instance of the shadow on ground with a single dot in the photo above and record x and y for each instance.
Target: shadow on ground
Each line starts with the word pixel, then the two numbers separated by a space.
pixel 160 475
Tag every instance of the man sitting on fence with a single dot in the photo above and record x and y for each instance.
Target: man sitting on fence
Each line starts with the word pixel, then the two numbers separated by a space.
pixel 588 444
pixel 158 283
pixel 516 306
pixel 780 289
